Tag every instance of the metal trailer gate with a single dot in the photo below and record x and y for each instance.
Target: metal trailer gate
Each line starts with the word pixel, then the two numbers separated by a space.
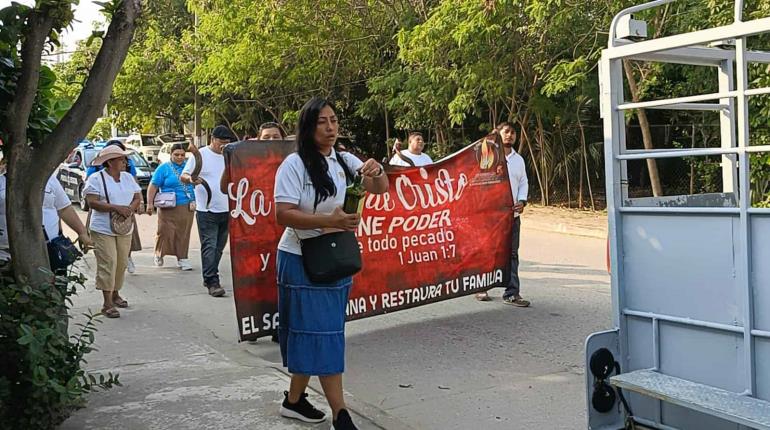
pixel 690 274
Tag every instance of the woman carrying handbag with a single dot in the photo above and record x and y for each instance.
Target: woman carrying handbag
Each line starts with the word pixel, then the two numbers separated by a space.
pixel 313 285
pixel 176 208
pixel 113 196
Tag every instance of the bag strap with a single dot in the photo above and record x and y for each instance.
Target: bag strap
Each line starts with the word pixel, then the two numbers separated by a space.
pixel 104 183
pixel 179 178
pixel 349 178
pixel 405 159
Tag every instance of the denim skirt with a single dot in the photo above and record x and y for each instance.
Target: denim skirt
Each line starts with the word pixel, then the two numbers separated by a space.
pixel 311 321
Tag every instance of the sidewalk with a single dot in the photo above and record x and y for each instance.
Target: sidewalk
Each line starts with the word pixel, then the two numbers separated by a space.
pixel 181 366
pixel 574 222
pixel 179 361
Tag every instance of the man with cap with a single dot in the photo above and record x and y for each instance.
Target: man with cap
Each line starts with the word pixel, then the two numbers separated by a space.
pixel 211 205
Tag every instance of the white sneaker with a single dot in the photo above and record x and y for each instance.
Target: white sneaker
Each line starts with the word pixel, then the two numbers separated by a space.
pixel 130 267
pixel 158 261
pixel 184 264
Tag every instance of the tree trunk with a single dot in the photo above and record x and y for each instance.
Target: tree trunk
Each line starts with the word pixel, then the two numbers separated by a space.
pixel 31 163
pixel 585 158
pixel 581 169
pixel 644 124
pixel 545 174
pixel 24 190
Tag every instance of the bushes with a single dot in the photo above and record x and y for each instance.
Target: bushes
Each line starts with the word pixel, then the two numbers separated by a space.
pixel 41 379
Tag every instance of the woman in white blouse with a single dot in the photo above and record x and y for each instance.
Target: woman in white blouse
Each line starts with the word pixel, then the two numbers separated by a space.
pixel 111 190
pixel 309 192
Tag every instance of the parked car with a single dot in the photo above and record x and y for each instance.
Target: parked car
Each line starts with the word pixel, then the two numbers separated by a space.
pixel 72 173
pixel 167 141
pixel 145 144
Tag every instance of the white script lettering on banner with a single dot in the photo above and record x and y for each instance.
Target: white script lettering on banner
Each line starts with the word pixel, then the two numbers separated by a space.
pixel 428 196
pixel 258 206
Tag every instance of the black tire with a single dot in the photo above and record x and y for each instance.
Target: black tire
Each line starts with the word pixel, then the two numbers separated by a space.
pixel 83 204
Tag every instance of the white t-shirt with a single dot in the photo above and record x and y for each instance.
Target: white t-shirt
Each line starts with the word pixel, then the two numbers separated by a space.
pixel 54 200
pixel 213 168
pixel 120 193
pixel 517 175
pixel 419 160
pixel 293 185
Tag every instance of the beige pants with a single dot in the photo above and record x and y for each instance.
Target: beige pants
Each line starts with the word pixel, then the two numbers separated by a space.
pixel 111 259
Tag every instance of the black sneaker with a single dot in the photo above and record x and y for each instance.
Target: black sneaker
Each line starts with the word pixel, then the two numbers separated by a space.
pixel 302 410
pixel 343 421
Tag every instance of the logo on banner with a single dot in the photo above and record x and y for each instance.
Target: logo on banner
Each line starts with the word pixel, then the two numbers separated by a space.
pixel 489 155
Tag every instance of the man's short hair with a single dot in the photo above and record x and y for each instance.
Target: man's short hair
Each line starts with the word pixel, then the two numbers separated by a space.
pixel 413 134
pixel 504 124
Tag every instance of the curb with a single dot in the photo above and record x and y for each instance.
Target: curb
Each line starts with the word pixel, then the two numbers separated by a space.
pixel 567 229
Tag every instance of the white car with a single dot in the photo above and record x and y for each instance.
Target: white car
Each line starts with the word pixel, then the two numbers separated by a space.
pixel 168 141
pixel 145 144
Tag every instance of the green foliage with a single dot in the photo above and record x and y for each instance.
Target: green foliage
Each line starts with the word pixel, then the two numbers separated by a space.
pixel 41 375
pixel 449 68
pixel 48 107
pixel 155 79
pixel 102 130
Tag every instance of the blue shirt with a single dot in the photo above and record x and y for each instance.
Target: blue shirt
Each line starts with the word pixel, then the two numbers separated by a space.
pixel 166 177
pixel 93 169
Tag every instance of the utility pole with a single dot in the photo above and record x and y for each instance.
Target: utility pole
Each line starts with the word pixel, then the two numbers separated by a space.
pixel 196 97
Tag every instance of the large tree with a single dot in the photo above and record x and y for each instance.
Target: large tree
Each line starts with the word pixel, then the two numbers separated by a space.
pixel 37 133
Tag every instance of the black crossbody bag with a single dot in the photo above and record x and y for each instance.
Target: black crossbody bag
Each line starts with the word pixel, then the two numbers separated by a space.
pixel 62 253
pixel 333 256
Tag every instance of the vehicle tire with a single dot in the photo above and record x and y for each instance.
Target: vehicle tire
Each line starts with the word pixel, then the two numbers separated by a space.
pixel 83 204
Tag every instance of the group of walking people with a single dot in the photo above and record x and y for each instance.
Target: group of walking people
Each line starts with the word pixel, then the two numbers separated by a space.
pixel 309 193
pixel 114 198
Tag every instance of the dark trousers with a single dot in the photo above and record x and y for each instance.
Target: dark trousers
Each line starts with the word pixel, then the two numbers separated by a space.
pixel 212 229
pixel 514 285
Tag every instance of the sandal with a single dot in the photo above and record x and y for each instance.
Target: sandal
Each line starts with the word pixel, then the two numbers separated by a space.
pixel 483 297
pixel 110 313
pixel 120 302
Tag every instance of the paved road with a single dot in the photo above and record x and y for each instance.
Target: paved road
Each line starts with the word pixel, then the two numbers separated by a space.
pixel 453 365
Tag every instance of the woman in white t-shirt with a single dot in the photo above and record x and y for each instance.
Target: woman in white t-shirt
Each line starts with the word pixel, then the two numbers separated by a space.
pixel 309 192
pixel 111 190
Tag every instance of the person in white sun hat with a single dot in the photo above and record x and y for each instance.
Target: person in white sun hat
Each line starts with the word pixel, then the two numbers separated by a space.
pixel 113 196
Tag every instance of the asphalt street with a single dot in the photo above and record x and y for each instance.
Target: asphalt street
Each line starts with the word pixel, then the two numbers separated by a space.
pixel 457 364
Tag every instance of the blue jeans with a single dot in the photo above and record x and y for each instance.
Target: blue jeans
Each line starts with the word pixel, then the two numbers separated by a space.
pixel 514 285
pixel 212 229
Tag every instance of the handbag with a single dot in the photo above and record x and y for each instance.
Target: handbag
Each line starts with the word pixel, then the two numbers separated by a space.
pixel 191 205
pixel 333 256
pixel 62 253
pixel 119 224
pixel 165 200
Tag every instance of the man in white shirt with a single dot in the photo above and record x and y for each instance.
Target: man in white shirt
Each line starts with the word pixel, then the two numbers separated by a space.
pixel 413 155
pixel 212 206
pixel 56 206
pixel 517 175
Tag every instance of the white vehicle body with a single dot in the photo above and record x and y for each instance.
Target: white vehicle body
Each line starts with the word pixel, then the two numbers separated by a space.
pixel 690 346
pixel 144 144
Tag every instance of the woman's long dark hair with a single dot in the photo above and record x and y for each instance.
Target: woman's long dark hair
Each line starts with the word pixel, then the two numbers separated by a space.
pixel 314 161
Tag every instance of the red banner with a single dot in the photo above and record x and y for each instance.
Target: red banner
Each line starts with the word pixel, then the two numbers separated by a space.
pixel 441 231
